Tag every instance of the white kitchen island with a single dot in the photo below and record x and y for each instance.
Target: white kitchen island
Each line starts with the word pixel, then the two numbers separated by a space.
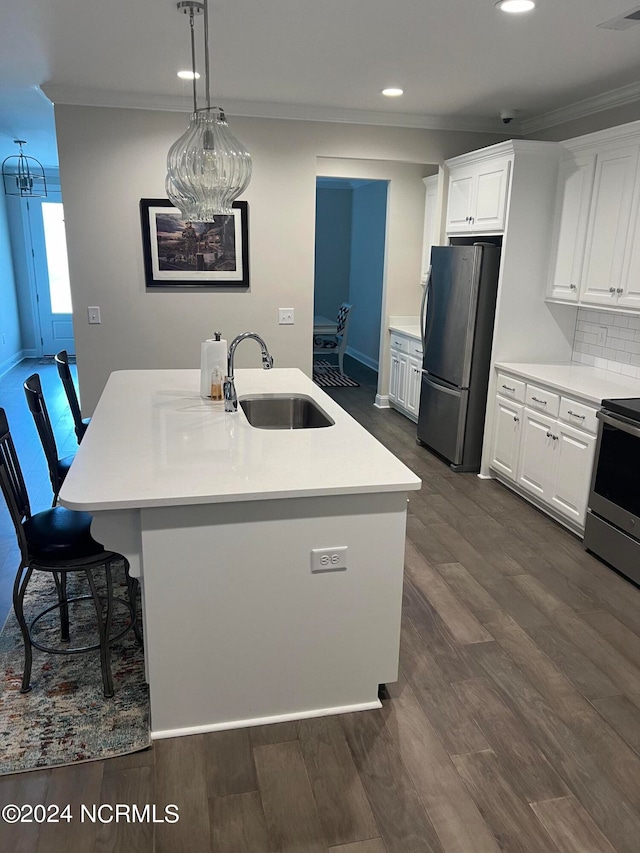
pixel 218 519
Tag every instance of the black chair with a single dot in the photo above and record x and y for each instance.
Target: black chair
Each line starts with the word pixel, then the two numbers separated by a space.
pixel 59 541
pixel 62 362
pixel 58 468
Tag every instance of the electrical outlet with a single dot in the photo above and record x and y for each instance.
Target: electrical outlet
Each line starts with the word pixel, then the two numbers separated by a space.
pixel 286 316
pixel 602 336
pixel 329 559
pixel 93 312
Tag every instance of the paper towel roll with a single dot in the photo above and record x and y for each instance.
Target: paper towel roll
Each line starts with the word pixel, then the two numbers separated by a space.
pixel 213 368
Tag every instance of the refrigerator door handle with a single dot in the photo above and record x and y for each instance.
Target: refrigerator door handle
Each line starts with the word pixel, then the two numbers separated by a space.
pixel 426 298
pixel 441 386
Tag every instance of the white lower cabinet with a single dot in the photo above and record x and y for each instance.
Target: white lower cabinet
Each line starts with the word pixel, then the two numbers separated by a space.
pixel 506 437
pixel 405 374
pixel 574 452
pixel 542 456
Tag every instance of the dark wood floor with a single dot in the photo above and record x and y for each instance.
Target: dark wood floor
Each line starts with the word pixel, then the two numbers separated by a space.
pixel 514 726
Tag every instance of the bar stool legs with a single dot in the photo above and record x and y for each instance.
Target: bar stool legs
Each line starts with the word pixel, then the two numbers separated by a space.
pixel 104 614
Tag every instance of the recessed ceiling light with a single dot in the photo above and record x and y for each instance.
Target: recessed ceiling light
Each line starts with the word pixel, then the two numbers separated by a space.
pixel 188 75
pixel 392 92
pixel 516 6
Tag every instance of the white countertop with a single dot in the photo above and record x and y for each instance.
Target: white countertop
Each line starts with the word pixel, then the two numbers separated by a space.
pixel 580 380
pixel 153 441
pixel 411 330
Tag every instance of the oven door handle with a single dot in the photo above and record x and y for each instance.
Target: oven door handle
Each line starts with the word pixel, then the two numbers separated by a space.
pixel 619 423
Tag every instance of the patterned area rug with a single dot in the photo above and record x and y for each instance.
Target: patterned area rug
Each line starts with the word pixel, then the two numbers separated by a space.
pixel 328 375
pixel 65 718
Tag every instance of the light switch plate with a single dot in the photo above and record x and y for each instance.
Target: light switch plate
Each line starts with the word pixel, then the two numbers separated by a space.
pixel 286 316
pixel 93 312
pixel 602 336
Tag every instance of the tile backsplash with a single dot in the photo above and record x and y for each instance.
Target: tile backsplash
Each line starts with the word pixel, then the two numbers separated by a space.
pixel 609 341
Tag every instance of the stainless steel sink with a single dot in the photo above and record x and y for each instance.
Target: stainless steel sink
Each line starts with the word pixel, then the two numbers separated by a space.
pixel 284 411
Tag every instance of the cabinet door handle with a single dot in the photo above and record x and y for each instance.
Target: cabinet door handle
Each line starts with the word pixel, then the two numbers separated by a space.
pixel 516 418
pixel 472 219
pixel 572 287
pixel 576 415
pixel 612 290
pixel 618 290
pixel 549 434
pixel 542 402
pixel 506 388
pixel 554 437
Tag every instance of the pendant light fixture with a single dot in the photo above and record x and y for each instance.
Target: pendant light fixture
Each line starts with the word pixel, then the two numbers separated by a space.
pixel 207 167
pixel 23 175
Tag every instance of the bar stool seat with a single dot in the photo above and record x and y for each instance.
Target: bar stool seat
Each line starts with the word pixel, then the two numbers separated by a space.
pixel 60 534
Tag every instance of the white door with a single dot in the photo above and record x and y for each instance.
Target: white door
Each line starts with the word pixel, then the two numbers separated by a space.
pixel 490 209
pixel 575 185
pixel 607 235
pixel 461 189
pixel 403 376
pixel 51 273
pixel 394 376
pixel 536 454
pixel 573 453
pixel 506 437
pixel 414 378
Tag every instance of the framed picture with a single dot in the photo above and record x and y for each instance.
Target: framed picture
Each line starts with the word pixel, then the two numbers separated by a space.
pixel 181 253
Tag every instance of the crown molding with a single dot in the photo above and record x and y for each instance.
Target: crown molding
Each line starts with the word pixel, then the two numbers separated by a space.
pixel 589 106
pixel 256 109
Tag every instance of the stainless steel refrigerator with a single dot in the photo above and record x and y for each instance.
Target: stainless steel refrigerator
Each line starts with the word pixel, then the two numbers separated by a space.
pixel 458 311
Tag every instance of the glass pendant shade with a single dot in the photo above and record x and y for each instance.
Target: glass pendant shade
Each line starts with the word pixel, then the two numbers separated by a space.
pixel 207 167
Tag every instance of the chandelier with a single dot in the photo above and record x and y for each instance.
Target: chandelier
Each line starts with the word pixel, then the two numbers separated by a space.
pixel 25 177
pixel 207 167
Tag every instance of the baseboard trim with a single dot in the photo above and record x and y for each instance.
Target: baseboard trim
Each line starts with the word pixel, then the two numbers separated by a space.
pixel 382 401
pixel 264 721
pixel 16 358
pixel 363 359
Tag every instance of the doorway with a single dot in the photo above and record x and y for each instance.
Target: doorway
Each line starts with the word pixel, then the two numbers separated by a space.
pixel 351 218
pixel 51 274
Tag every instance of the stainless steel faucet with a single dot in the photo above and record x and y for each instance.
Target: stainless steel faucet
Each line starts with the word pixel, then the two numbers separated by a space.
pixel 229 387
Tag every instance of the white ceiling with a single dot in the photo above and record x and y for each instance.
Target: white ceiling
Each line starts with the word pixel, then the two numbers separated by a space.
pixel 459 61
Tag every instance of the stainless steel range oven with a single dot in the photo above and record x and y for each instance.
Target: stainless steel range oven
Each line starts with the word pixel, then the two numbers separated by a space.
pixel 612 528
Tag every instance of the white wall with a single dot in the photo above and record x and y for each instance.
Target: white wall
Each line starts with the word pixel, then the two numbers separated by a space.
pixel 10 338
pixel 111 158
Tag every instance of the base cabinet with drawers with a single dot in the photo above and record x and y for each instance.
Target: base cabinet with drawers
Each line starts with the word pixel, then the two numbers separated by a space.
pixel 405 374
pixel 543 444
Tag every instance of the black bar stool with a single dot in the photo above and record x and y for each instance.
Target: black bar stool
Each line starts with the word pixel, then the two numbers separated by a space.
pixel 59 541
pixel 64 371
pixel 58 468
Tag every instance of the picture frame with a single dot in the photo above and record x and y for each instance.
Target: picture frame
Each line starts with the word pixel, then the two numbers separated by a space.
pixel 184 253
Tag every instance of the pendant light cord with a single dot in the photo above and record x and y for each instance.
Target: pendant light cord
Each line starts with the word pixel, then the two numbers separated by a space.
pixel 193 58
pixel 206 51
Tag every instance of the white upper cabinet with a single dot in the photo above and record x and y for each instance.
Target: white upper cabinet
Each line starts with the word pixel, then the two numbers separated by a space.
pixel 431 223
pixel 609 225
pixel 575 186
pixel 478 192
pixel 595 257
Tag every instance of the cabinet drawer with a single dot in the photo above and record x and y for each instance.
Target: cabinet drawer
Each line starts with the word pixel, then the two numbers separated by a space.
pixel 542 401
pixel 398 342
pixel 512 389
pixel 578 415
pixel 415 348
